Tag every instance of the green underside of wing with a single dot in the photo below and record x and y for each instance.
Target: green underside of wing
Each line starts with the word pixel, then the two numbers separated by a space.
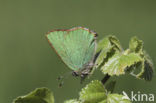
pixel 75 47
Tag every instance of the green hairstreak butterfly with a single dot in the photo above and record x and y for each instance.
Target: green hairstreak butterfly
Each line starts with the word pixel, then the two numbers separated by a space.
pixel 76 47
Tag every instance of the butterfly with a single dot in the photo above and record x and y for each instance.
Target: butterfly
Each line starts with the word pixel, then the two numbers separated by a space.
pixel 76 47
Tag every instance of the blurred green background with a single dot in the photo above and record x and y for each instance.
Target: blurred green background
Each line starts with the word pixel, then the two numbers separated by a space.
pixel 27 61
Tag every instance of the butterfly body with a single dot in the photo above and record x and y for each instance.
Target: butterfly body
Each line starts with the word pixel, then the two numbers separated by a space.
pixel 76 47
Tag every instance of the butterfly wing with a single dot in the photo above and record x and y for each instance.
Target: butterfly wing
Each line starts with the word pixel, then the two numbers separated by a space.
pixel 74 46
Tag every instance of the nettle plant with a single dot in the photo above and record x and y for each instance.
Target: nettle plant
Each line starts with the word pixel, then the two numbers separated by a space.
pixel 79 50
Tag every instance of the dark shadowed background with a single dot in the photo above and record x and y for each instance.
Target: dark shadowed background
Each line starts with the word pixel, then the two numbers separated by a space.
pixel 27 61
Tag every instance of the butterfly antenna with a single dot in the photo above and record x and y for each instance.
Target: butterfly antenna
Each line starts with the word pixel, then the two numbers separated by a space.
pixel 61 84
pixel 62 78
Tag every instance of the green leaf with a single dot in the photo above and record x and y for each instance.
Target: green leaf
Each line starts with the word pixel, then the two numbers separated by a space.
pixel 103 43
pixel 95 92
pixel 115 42
pixel 39 95
pixel 104 55
pixel 72 101
pixel 135 45
pixel 114 61
pixel 147 68
pixel 118 63
pixel 146 72
pixel 106 47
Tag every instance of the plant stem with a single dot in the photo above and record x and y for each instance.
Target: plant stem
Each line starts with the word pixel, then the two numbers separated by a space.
pixel 105 79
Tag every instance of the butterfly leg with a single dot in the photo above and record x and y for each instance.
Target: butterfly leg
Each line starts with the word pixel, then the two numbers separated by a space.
pixel 75 74
pixel 83 76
